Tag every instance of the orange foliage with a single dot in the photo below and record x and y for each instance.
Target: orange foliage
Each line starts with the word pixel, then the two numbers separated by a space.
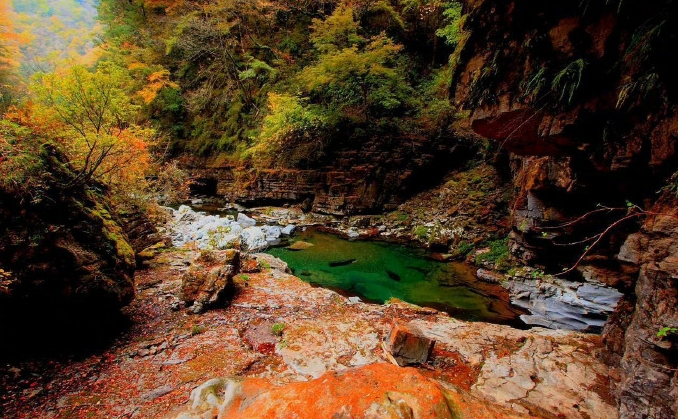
pixel 9 44
pixel 156 81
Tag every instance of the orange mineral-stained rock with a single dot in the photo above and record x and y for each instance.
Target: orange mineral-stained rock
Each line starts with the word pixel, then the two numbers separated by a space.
pixel 377 391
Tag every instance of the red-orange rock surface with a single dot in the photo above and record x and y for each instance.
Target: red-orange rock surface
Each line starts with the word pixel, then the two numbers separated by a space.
pixel 373 391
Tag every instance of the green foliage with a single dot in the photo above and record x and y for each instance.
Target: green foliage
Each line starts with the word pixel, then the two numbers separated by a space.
pixel 535 85
pixel 337 32
pixel 197 330
pixel 485 81
pixel 216 237
pixel 666 331
pixel 365 77
pixel 421 233
pixel 20 163
pixel 567 81
pixel 292 131
pixel 256 69
pixel 464 248
pixel 635 92
pixel 672 184
pixel 498 254
pixel 452 31
pixel 278 329
pixel 343 74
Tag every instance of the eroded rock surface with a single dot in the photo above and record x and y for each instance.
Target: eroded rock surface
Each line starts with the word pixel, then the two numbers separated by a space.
pixel 648 362
pixel 378 391
pixel 210 278
pixel 561 304
pixel 487 370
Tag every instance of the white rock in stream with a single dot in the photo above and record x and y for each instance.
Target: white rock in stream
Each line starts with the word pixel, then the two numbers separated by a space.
pixel 253 239
pixel 246 221
pixel 288 230
pixel 216 232
pixel 272 232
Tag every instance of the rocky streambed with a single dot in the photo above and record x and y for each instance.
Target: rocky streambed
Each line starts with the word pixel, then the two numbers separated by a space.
pixel 278 332
pixel 550 301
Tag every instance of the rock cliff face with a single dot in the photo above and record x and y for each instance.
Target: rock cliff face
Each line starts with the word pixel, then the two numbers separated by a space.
pixel 551 85
pixel 582 98
pixel 649 386
pixel 62 252
pixel 360 178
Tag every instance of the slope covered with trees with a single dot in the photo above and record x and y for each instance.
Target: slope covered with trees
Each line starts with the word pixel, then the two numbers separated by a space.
pixel 257 79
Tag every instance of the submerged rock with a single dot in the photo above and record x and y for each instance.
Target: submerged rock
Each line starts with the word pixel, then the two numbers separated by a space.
pixel 299 245
pixel 337 263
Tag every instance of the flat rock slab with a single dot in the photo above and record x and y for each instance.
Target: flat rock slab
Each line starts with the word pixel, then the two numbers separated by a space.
pixel 549 370
pixel 379 391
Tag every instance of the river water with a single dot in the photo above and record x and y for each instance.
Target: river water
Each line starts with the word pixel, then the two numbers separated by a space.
pixel 377 271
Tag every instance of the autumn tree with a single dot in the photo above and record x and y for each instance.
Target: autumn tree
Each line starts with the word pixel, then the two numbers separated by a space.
pixel 9 56
pixel 92 115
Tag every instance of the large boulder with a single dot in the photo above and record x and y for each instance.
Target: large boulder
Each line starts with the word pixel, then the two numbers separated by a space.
pixel 210 278
pixel 64 249
pixel 254 239
pixel 378 391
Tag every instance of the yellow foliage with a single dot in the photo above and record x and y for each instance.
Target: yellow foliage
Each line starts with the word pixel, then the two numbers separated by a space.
pixel 91 115
pixel 156 82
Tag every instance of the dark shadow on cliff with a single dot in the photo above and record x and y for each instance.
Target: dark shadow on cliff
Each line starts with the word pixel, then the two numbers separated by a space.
pixel 58 333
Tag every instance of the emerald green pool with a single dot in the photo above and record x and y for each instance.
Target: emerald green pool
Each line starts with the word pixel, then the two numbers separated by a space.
pixel 377 271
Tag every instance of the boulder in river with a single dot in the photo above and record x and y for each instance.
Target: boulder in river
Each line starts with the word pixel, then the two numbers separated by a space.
pixel 253 239
pixel 245 221
pixel 288 229
pixel 299 245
